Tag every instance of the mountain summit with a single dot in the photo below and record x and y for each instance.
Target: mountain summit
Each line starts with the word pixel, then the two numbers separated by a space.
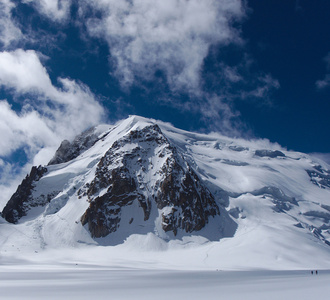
pixel 142 176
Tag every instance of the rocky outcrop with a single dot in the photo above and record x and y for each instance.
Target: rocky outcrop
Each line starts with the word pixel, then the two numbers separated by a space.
pixel 103 214
pixel 68 151
pixel 269 153
pixel 319 177
pixel 189 201
pixel 22 200
pixel 281 201
pixel 144 168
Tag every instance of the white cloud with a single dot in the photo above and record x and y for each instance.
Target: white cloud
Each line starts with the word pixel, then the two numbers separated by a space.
pixel 72 104
pixel 173 36
pixel 11 35
pixel 23 71
pixel 9 30
pixel 17 130
pixel 57 10
pixel 10 177
pixel 48 113
pixel 325 82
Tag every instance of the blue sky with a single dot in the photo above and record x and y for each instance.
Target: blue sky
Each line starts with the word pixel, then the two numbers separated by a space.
pixel 254 69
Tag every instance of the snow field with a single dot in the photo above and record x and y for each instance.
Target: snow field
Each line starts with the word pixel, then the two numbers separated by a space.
pixel 86 282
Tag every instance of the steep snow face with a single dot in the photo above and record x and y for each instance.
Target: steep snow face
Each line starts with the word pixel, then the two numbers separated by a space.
pixel 148 178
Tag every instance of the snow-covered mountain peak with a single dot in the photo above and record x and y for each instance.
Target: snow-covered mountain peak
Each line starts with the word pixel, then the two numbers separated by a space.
pixel 142 176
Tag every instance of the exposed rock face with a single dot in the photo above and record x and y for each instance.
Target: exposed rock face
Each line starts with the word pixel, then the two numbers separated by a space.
pixel 144 167
pixel 189 201
pixel 68 151
pixel 238 148
pixel 282 202
pixel 269 153
pixel 319 176
pixel 22 200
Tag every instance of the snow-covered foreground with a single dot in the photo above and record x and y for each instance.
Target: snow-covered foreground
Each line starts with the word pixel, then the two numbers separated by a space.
pixel 189 269
pixel 76 281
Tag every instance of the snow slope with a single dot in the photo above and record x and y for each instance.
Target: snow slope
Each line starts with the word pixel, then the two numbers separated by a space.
pixel 275 206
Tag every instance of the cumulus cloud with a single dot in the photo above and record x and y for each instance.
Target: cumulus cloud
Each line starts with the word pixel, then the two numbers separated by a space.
pixel 57 10
pixel 49 113
pixel 10 32
pixel 23 71
pixel 325 82
pixel 171 36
